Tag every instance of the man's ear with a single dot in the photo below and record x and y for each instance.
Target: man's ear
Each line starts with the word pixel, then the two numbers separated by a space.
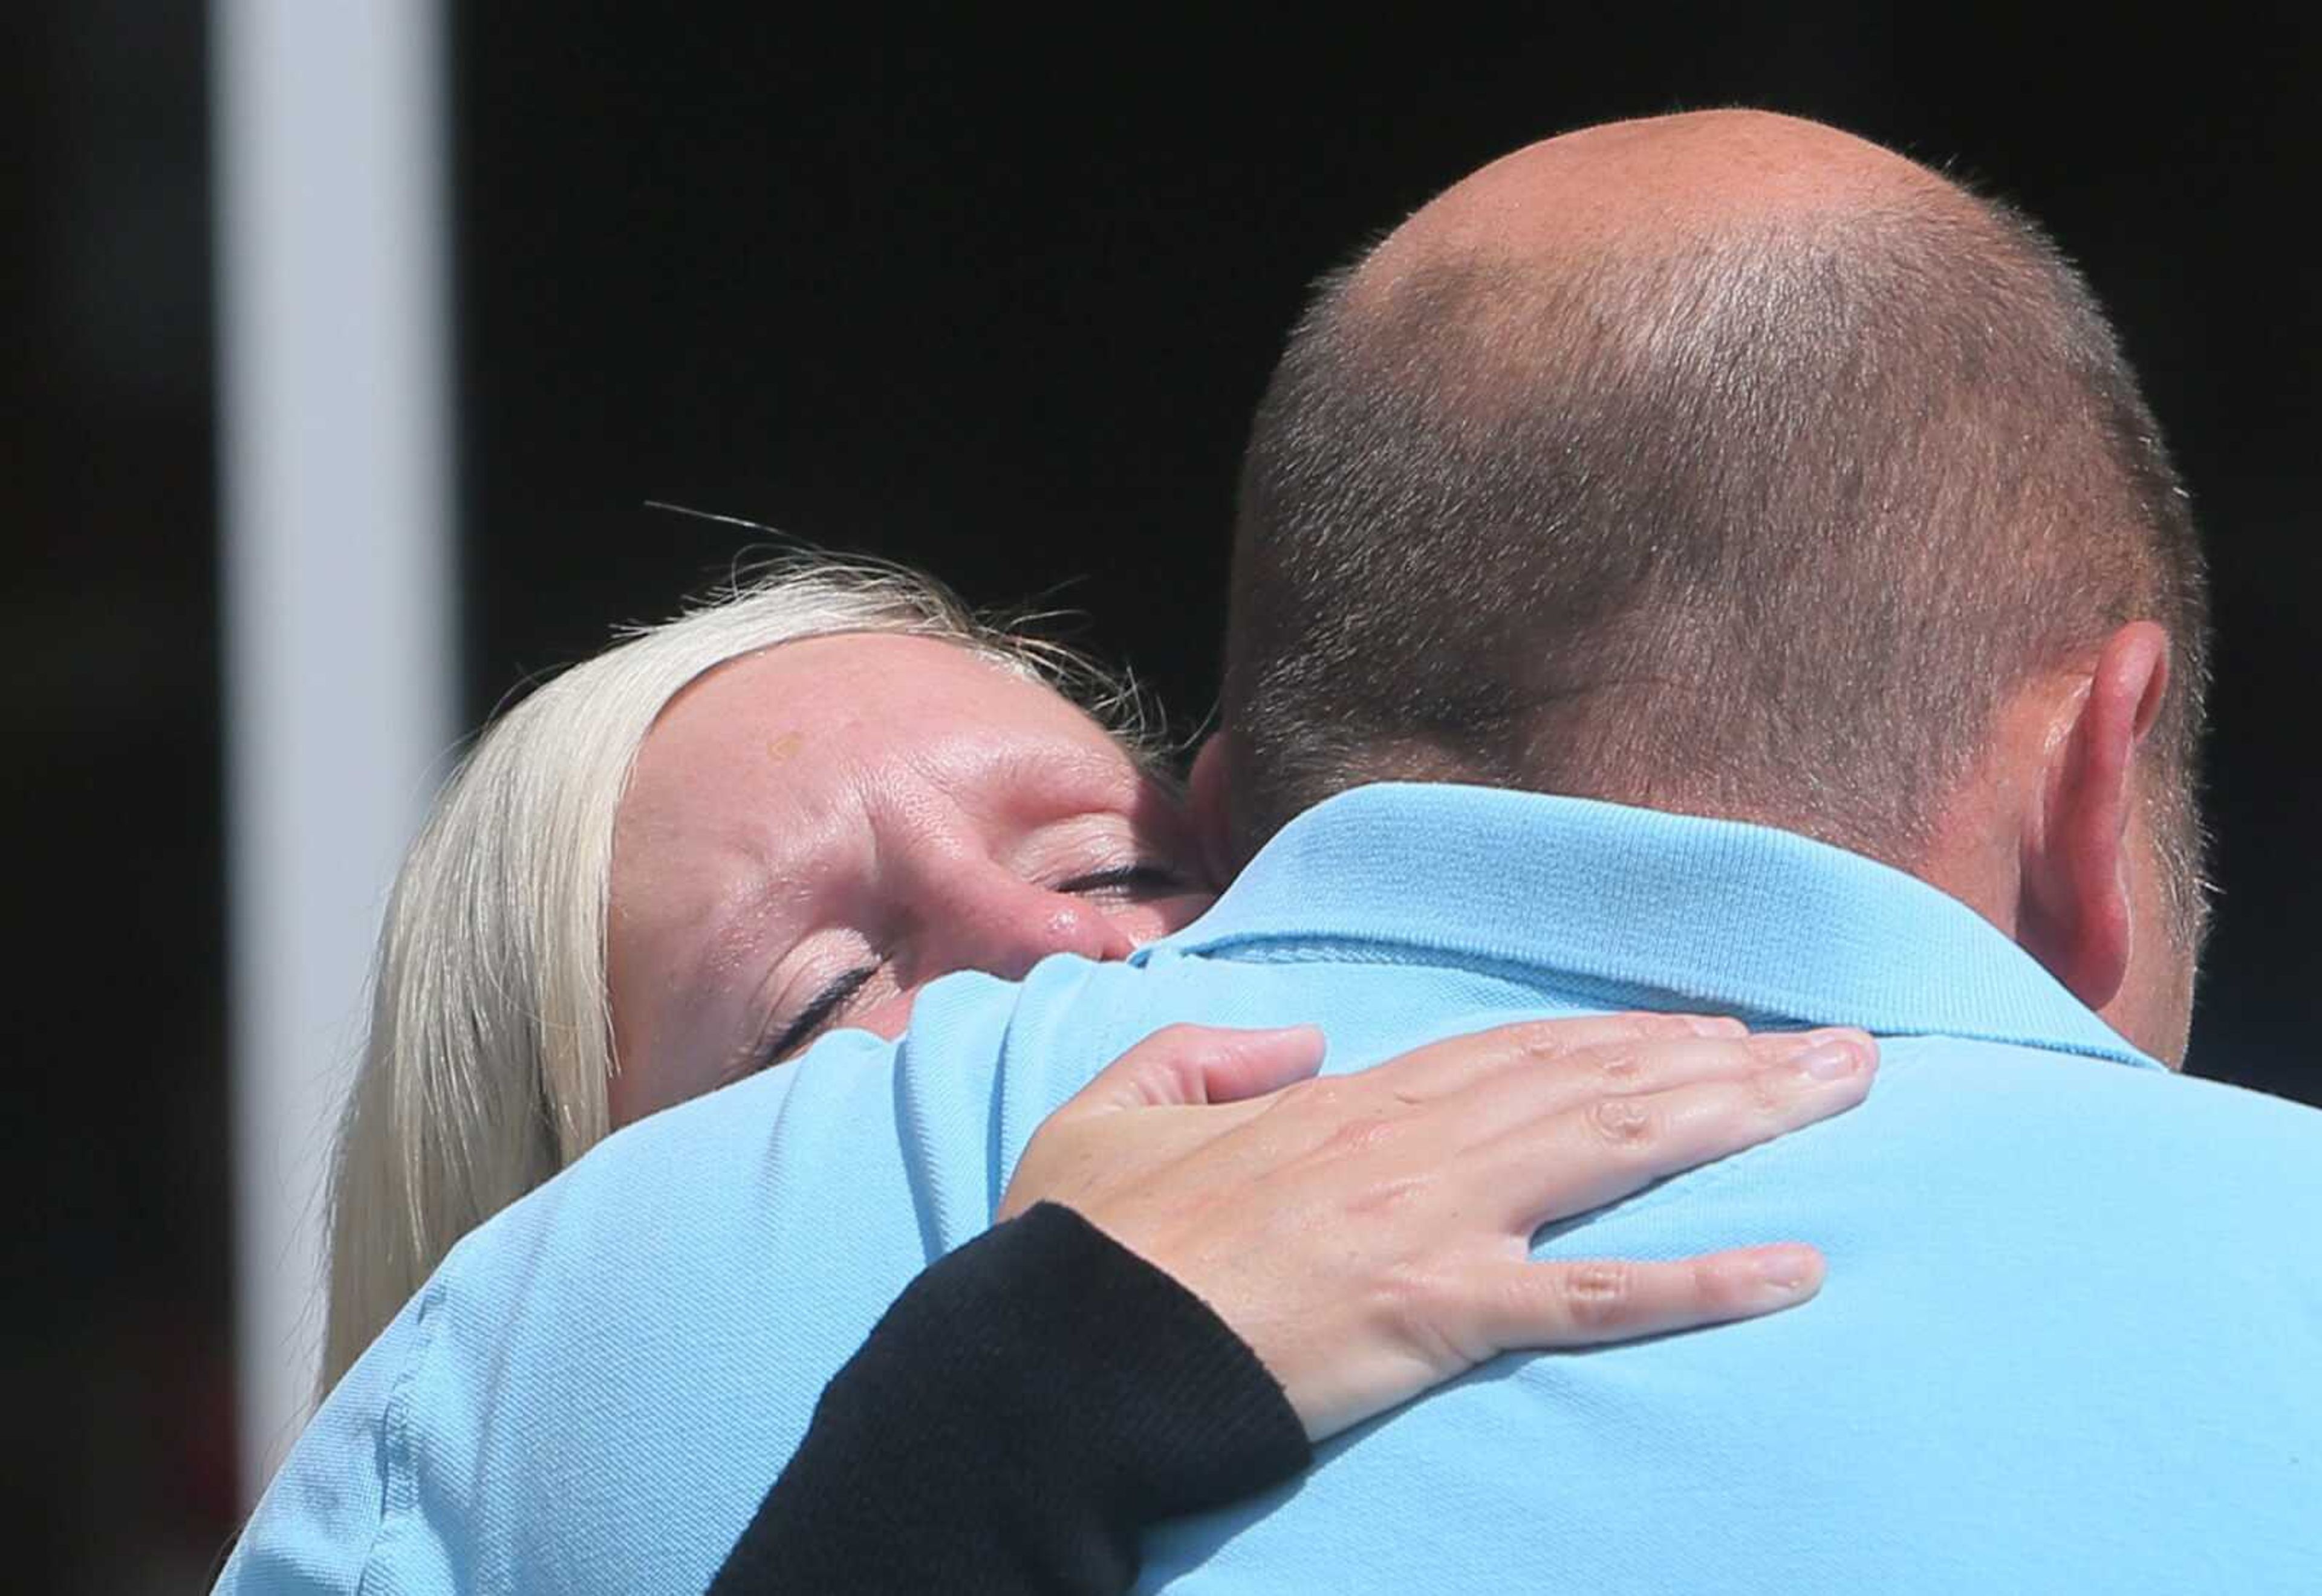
pixel 2075 915
pixel 1209 798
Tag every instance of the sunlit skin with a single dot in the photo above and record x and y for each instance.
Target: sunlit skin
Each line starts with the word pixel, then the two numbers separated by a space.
pixel 814 833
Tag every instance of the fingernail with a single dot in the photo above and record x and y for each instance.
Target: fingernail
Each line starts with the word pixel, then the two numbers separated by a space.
pixel 1831 1057
pixel 1821 1047
pixel 1786 1270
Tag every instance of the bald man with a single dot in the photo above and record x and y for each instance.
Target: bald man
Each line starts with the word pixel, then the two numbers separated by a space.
pixel 1706 563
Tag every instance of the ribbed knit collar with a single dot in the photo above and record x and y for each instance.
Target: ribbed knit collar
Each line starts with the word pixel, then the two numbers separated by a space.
pixel 1638 908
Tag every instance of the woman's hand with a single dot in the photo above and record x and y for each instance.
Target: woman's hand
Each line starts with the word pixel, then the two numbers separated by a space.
pixel 1369 1234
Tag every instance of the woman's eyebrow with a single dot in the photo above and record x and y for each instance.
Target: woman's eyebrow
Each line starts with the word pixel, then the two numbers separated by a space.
pixel 810 1019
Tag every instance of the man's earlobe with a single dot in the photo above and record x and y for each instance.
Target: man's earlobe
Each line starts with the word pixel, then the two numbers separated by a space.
pixel 1209 798
pixel 2076 914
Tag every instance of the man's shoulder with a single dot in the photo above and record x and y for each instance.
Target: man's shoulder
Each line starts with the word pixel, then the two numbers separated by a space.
pixel 2087 1156
pixel 860 1134
pixel 649 1328
pixel 2142 1102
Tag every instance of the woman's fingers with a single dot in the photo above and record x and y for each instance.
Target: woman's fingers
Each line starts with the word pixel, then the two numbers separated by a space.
pixel 1198 1074
pixel 1185 1064
pixel 1509 1099
pixel 1443 1068
pixel 1520 1305
pixel 1577 1159
pixel 1296 1207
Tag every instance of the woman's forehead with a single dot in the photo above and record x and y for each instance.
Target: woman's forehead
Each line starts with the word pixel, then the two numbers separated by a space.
pixel 860 695
pixel 814 723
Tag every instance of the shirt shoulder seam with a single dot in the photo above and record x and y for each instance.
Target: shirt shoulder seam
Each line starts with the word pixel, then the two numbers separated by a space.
pixel 398 1467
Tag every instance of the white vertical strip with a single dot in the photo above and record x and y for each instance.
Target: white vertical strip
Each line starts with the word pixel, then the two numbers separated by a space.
pixel 337 600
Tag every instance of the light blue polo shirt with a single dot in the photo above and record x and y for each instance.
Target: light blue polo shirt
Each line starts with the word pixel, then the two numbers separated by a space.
pixel 2071 1338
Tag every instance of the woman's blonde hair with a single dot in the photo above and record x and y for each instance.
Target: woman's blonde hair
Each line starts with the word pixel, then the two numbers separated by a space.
pixel 486 1066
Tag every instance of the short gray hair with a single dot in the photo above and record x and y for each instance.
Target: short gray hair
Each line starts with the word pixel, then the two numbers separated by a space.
pixel 1762 522
pixel 486 1067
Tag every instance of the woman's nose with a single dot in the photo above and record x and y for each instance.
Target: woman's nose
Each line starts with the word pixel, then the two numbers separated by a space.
pixel 995 923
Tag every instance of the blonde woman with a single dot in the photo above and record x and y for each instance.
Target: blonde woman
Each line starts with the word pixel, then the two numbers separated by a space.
pixel 490 1061
pixel 566 952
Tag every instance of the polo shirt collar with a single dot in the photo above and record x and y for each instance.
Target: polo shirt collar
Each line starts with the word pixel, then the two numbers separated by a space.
pixel 1643 908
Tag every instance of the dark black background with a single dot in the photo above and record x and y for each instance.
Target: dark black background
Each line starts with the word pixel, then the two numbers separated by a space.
pixel 993 300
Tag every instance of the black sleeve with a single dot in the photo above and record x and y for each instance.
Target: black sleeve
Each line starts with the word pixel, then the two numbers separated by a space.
pixel 1026 1410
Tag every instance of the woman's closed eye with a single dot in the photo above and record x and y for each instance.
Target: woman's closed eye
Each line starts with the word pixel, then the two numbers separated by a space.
pixel 1124 883
pixel 1135 880
pixel 826 1006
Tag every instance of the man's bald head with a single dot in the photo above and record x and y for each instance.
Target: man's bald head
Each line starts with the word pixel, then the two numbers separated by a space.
pixel 1632 186
pixel 1723 463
